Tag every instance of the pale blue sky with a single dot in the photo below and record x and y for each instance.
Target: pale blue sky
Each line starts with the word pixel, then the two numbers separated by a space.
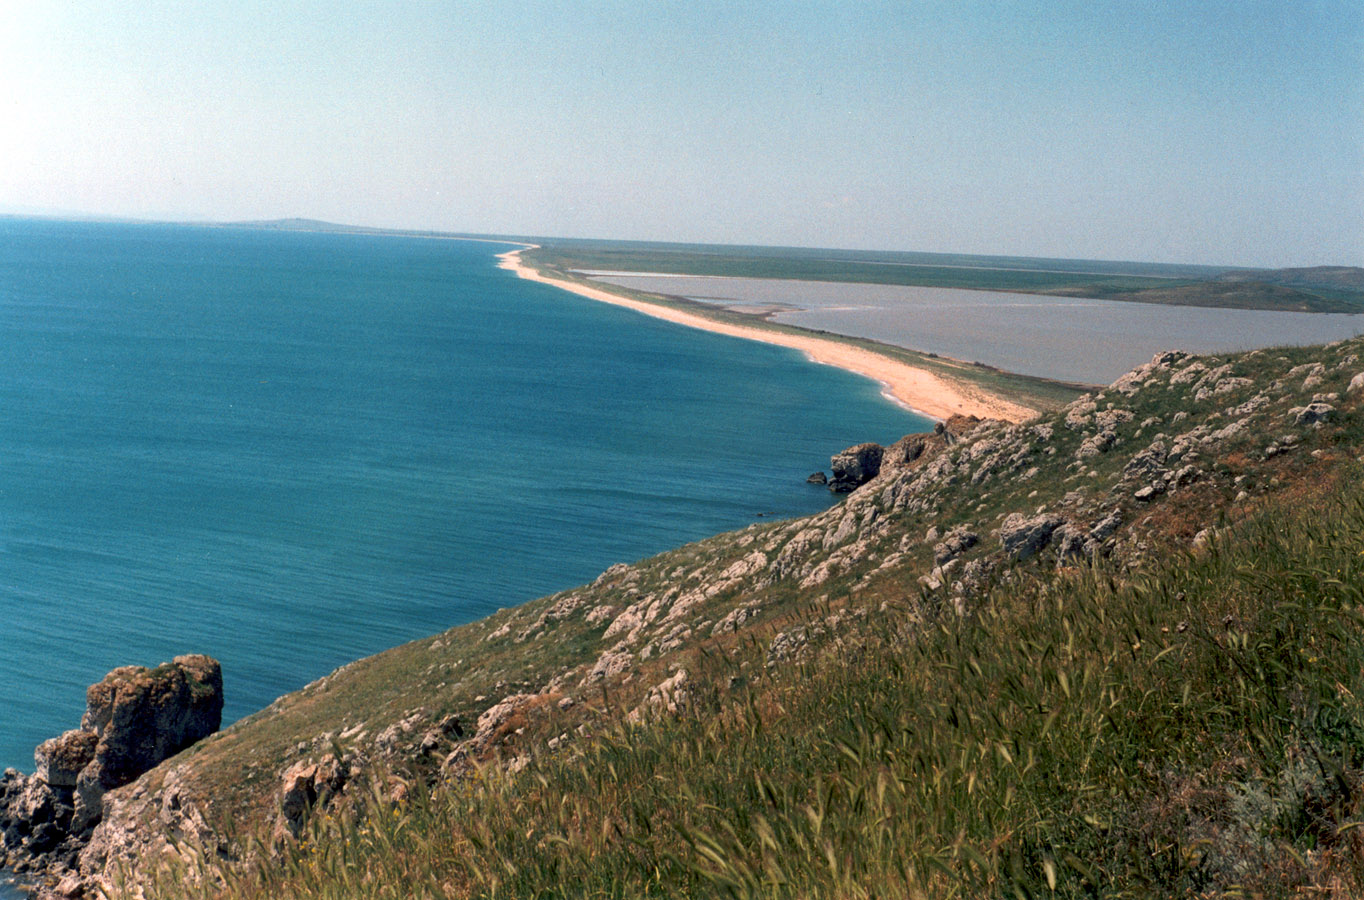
pixel 1224 133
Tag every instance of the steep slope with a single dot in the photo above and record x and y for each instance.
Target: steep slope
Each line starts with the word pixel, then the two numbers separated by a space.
pixel 957 525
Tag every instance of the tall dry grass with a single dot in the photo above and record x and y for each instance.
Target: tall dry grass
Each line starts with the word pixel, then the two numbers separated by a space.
pixel 1192 731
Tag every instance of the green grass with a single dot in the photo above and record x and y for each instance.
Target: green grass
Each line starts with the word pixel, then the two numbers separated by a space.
pixel 1165 724
pixel 1239 295
pixel 1192 731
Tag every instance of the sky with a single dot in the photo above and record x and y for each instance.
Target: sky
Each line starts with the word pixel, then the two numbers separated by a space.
pixel 1227 133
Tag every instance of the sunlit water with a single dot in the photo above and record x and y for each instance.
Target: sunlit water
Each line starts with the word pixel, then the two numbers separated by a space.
pixel 290 450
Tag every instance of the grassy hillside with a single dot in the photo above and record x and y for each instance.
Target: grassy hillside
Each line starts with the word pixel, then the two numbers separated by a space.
pixel 1116 651
pixel 1192 730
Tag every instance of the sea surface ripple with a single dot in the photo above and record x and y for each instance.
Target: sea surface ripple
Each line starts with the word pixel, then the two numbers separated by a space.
pixel 290 450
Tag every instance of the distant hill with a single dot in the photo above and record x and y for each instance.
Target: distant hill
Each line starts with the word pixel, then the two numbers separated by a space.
pixel 300 224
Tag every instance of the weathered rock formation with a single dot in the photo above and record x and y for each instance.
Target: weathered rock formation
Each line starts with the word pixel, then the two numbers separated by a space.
pixel 855 466
pixel 143 716
pixel 1021 536
pixel 134 719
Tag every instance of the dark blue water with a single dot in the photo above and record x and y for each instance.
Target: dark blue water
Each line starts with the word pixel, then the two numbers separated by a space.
pixel 290 450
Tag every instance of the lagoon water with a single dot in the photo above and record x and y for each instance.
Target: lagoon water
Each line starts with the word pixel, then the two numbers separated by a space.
pixel 290 450
pixel 1066 338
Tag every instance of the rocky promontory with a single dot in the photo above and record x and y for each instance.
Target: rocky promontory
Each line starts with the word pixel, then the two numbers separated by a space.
pixel 134 718
pixel 1132 497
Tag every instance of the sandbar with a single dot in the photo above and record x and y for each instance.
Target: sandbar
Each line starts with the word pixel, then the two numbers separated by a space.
pixel 917 389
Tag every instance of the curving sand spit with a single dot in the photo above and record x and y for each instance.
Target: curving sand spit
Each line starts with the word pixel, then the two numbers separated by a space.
pixel 918 389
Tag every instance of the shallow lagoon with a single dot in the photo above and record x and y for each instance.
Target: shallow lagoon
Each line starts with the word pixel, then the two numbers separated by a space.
pixel 1066 338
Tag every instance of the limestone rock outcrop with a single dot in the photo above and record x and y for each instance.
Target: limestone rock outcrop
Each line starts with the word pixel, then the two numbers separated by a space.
pixel 1021 536
pixel 307 785
pixel 134 718
pixel 954 544
pixel 855 466
pixel 142 716
pixel 1312 414
pixel 61 759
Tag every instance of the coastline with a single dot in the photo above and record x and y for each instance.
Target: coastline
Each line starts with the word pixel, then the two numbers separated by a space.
pixel 917 389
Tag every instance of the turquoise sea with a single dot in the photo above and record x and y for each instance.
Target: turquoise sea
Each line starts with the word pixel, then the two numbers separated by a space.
pixel 290 450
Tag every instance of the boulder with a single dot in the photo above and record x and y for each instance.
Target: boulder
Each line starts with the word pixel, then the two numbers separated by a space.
pixel 1106 527
pixel 903 452
pixel 296 797
pixel 306 785
pixel 134 719
pixel 954 544
pixel 1148 462
pixel 1021 536
pixel 792 645
pixel 1312 414
pixel 610 664
pixel 33 803
pixel 1129 384
pixel 1078 413
pixel 817 478
pixel 1096 443
pixel 1167 358
pixel 1071 541
pixel 142 716
pixel 1154 489
pixel 668 696
pixel 957 427
pixel 855 466
pixel 1110 419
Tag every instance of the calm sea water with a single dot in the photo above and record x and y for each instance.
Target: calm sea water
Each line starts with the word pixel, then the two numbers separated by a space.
pixel 290 450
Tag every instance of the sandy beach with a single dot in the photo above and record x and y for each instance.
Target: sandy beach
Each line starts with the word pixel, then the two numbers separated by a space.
pixel 917 389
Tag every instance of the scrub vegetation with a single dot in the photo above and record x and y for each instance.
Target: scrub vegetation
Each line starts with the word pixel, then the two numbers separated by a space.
pixel 1118 651
pixel 1082 734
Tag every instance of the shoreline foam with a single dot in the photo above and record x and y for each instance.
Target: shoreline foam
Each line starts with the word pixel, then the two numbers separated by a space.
pixel 917 389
